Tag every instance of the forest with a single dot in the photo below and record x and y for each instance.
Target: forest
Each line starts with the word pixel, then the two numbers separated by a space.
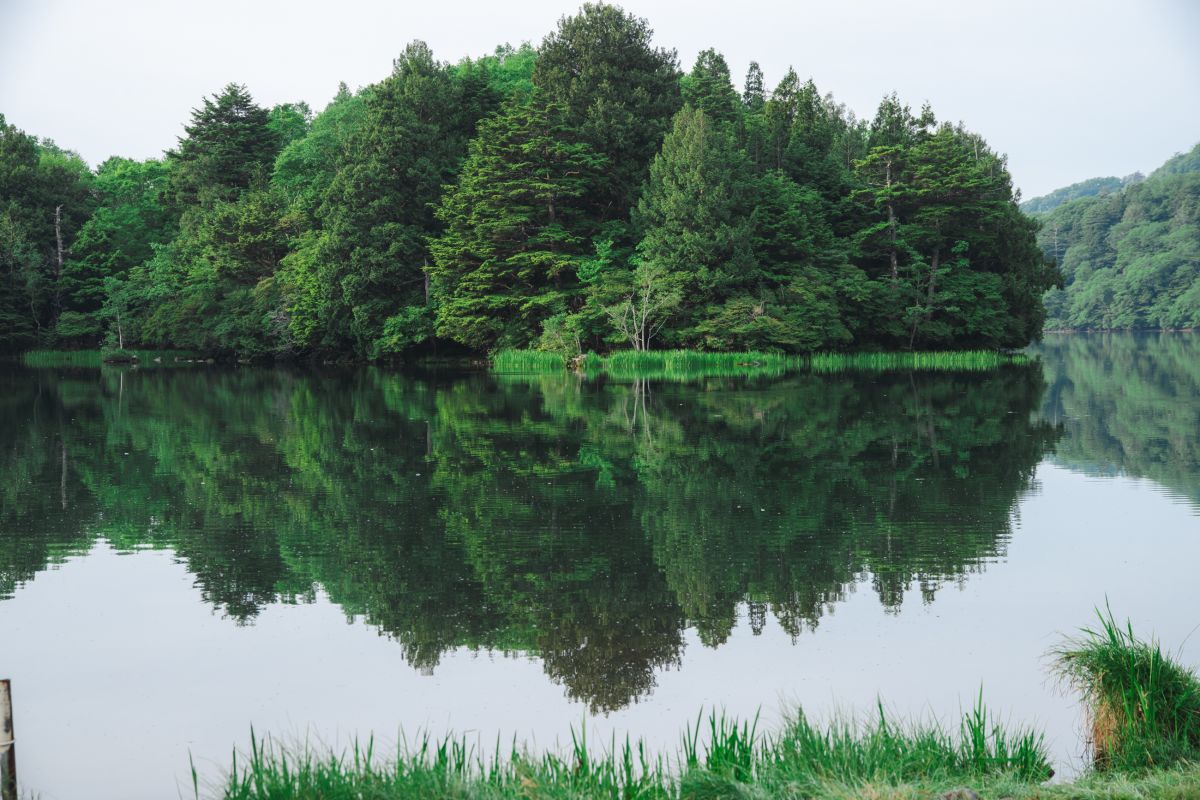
pixel 586 194
pixel 1130 257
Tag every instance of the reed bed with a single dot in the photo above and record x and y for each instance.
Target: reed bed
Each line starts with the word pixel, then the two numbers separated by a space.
pixel 719 757
pixel 98 358
pixel 1143 707
pixel 528 361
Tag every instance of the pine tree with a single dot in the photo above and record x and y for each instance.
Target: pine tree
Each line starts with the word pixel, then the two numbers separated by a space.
pixel 620 92
pixel 709 88
pixel 695 218
pixel 516 227
pixel 230 143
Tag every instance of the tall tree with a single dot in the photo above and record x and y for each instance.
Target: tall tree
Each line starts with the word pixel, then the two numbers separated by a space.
pixel 516 227
pixel 230 143
pixel 368 274
pixel 709 88
pixel 695 214
pixel 619 89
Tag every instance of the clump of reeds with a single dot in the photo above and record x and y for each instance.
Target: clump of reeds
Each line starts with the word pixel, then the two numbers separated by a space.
pixel 688 365
pixel 1143 707
pixel 97 358
pixel 536 361
pixel 62 358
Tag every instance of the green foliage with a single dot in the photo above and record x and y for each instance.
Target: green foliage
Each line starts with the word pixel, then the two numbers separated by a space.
pixel 695 219
pixel 1129 258
pixel 620 92
pixel 527 361
pixel 732 759
pixel 1089 188
pixel 515 228
pixel 1143 706
pixel 572 197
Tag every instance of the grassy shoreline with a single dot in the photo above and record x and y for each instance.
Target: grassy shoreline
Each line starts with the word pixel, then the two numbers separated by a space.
pixel 1143 708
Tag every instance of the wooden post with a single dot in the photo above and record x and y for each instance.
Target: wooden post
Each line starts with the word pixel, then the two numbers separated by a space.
pixel 8 748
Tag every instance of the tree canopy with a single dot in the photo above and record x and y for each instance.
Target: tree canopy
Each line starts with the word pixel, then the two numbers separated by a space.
pixel 583 194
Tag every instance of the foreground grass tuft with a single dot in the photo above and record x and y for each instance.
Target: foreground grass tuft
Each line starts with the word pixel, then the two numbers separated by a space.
pixel 1144 709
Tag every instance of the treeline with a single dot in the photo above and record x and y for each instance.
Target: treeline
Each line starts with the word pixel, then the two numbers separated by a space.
pixel 1131 258
pixel 583 195
pixel 1089 188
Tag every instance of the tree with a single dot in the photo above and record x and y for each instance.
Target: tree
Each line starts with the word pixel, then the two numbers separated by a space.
pixel 709 88
pixel 367 270
pixel 515 227
pixel 620 92
pixel 695 218
pixel 230 143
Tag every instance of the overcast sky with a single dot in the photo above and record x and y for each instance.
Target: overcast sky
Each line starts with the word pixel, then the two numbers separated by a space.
pixel 1069 89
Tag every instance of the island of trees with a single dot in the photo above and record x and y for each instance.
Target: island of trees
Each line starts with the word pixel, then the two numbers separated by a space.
pixel 583 195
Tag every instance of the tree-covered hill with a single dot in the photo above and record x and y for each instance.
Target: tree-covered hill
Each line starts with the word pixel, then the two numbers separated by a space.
pixel 1089 188
pixel 585 194
pixel 1130 259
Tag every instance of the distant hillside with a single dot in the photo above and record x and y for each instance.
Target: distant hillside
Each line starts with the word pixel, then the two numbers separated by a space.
pixel 1131 258
pixel 1089 188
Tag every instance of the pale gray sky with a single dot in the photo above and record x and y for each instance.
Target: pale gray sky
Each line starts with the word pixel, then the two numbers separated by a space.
pixel 1069 89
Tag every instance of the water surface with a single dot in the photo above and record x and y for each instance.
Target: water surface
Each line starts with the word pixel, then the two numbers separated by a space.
pixel 187 552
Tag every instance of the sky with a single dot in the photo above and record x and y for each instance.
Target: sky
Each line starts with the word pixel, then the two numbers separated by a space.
pixel 1069 89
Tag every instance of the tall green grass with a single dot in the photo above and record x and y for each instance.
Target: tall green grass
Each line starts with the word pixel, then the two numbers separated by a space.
pixel 97 358
pixel 689 365
pixel 1143 707
pixel 719 758
pixel 534 361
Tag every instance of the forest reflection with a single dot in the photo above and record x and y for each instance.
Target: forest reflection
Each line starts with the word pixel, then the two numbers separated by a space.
pixel 588 523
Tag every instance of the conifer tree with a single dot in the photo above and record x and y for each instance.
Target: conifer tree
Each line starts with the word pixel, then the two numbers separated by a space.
pixel 515 227
pixel 695 217
pixel 620 92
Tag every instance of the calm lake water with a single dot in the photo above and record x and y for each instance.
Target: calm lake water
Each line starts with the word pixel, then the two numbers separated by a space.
pixel 189 552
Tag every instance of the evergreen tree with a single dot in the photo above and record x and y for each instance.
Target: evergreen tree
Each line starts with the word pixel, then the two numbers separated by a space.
pixel 695 215
pixel 230 144
pixel 516 227
pixel 709 88
pixel 620 90
pixel 753 95
pixel 368 272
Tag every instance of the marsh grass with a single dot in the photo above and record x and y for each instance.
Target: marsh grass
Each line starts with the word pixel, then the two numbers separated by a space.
pixel 98 358
pixel 718 757
pixel 531 361
pixel 1143 707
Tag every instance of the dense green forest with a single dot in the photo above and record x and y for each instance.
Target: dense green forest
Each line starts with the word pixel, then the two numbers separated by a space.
pixel 1089 188
pixel 586 194
pixel 1130 258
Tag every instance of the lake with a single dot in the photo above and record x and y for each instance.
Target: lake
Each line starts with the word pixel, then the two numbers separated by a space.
pixel 189 552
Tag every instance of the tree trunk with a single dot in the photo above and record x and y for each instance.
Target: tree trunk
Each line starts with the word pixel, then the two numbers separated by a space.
pixel 58 265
